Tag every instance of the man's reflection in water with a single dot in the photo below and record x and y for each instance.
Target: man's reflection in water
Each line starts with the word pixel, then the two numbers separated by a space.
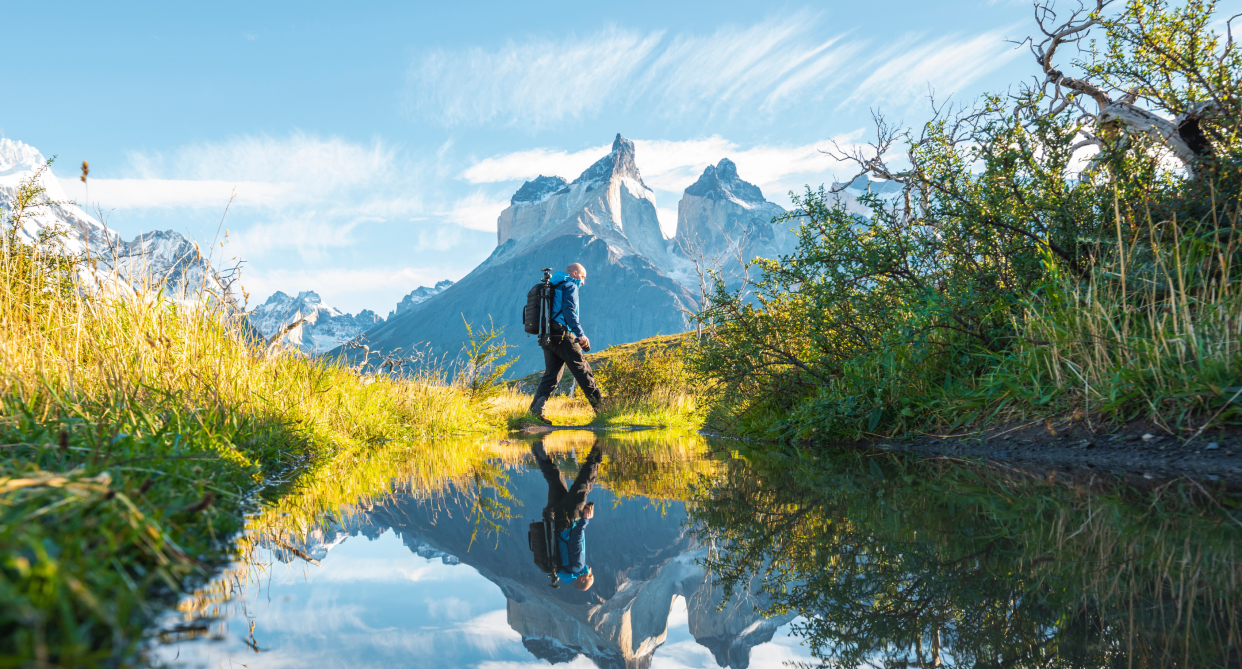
pixel 571 513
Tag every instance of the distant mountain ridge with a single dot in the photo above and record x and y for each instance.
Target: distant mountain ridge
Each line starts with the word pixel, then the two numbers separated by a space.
pixel 418 296
pixel 161 260
pixel 325 327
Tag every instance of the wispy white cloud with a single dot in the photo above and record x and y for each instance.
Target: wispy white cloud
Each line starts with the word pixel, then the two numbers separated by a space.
pixel 758 69
pixel 174 193
pixel 671 166
pixel 263 172
pixel 305 232
pixel 300 192
pixel 477 211
pixel 298 158
pixel 526 165
pixel 668 221
pixel 906 69
pixel 534 82
pixel 758 66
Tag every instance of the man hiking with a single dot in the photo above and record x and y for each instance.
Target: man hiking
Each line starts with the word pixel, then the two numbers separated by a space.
pixel 566 342
pixel 570 514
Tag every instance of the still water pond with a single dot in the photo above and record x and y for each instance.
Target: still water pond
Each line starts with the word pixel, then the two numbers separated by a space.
pixel 701 559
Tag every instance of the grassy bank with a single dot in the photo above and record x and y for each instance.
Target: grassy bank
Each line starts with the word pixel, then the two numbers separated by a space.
pixel 133 433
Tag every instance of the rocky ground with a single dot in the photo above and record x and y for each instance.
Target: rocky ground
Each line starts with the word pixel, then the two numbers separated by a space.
pixel 1138 452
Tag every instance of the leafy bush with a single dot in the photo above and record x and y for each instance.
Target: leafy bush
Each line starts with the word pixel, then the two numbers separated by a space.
pixel 935 310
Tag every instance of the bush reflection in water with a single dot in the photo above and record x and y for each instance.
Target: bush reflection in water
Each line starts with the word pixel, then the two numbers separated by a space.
pixel 894 561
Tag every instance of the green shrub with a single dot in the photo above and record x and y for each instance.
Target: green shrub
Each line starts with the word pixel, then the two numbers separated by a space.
pixel 989 287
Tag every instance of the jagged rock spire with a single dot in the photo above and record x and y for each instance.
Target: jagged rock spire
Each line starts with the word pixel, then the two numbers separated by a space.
pixel 620 162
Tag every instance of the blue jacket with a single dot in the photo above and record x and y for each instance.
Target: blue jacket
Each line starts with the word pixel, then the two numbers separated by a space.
pixel 572 546
pixel 565 303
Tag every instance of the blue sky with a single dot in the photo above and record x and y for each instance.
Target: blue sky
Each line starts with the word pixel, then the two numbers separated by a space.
pixel 372 145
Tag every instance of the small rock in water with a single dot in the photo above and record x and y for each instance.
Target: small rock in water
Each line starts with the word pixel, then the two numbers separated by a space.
pixel 1212 446
pixel 1148 437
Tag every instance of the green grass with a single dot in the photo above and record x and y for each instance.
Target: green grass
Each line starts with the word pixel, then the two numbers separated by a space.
pixel 1150 333
pixel 134 434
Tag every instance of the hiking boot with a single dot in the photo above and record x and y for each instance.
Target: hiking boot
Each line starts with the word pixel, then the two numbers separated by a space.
pixel 540 417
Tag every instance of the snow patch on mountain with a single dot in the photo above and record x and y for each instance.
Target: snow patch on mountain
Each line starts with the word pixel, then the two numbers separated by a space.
pixel 324 329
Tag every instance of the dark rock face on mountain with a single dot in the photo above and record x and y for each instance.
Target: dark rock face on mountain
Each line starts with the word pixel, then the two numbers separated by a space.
pixel 539 189
pixel 606 220
pixel 642 556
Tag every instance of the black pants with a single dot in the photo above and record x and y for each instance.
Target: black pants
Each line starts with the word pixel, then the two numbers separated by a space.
pixel 565 503
pixel 564 351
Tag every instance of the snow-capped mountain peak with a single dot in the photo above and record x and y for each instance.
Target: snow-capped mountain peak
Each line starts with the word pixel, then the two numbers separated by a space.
pixel 619 163
pixel 721 181
pixel 325 326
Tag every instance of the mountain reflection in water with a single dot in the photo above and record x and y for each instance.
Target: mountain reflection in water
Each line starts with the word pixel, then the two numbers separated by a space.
pixel 847 558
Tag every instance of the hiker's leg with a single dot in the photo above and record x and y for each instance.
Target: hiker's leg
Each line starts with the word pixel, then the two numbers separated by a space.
pixel 556 480
pixel 576 360
pixel 587 475
pixel 553 367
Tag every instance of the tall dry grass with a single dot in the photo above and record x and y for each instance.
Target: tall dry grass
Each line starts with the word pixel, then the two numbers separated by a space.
pixel 134 432
pixel 1154 332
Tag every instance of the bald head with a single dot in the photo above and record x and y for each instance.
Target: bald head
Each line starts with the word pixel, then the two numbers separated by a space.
pixel 576 270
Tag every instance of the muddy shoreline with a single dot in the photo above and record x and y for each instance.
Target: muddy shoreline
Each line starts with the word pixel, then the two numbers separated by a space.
pixel 1137 452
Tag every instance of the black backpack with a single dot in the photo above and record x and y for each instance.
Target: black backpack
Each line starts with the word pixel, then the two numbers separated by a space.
pixel 543 543
pixel 537 314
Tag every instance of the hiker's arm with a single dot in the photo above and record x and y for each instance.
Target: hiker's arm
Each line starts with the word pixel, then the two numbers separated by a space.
pixel 570 311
